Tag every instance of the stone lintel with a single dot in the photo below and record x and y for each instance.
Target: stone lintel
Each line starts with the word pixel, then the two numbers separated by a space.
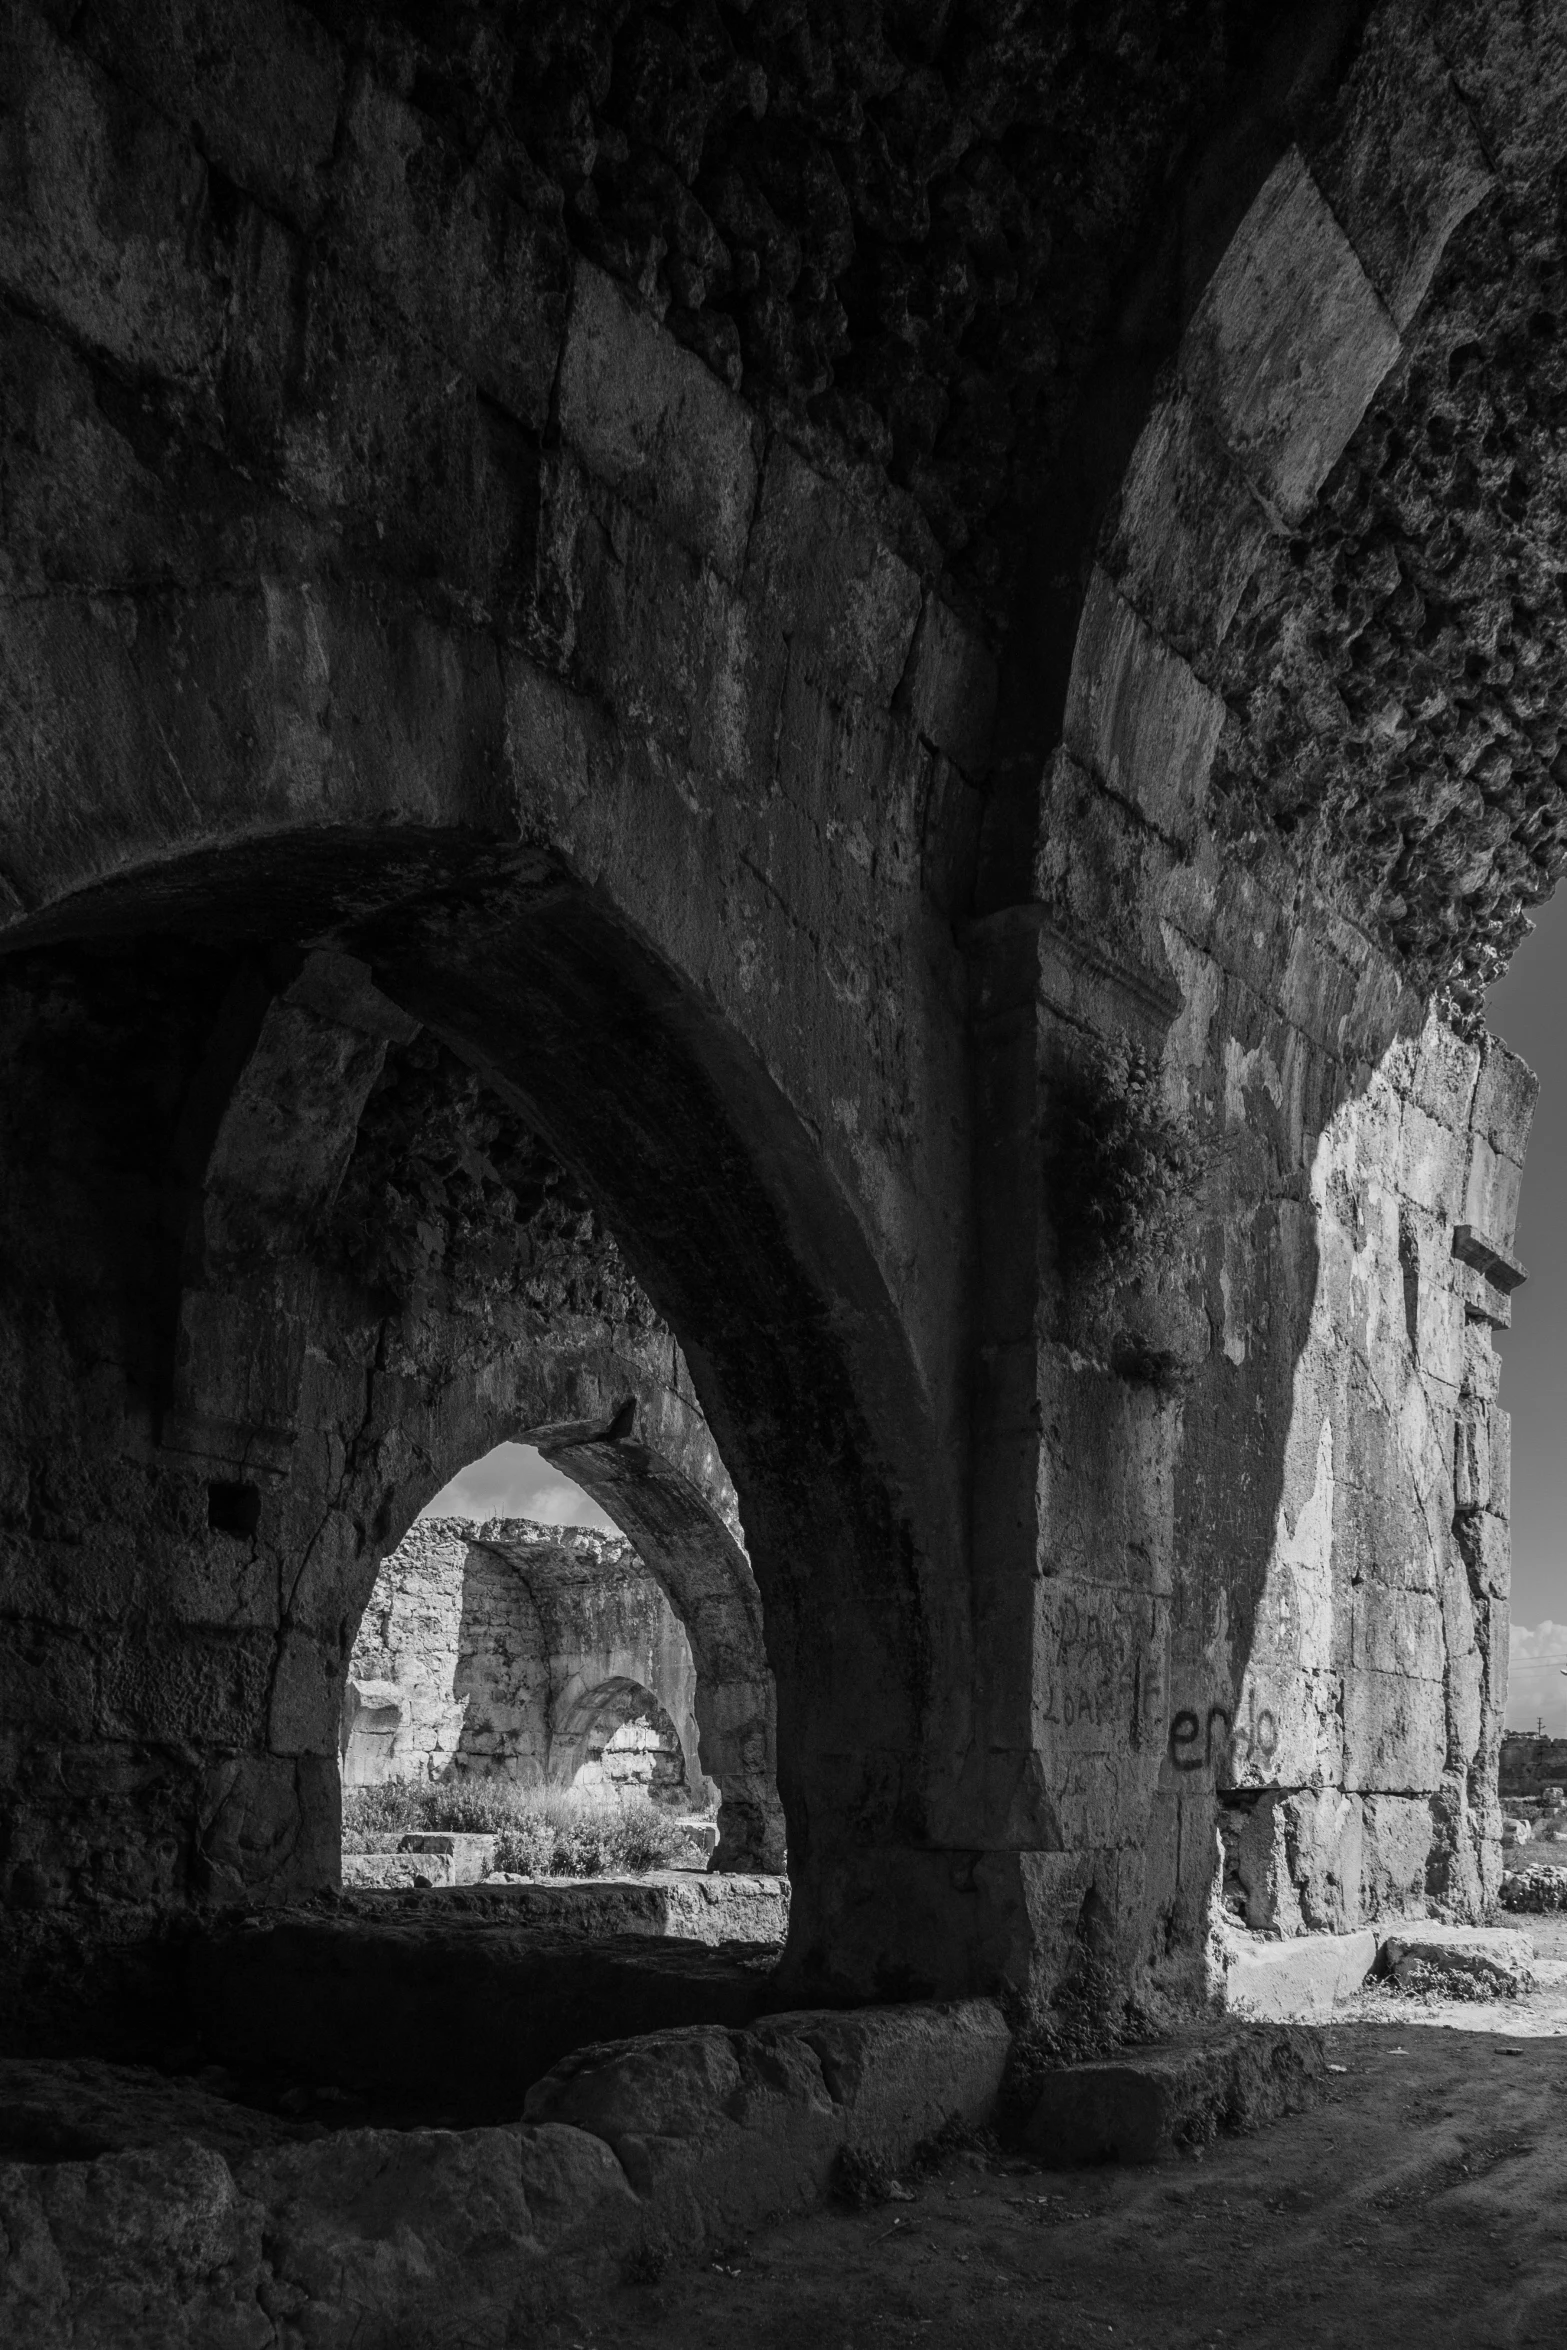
pixel 1499 1267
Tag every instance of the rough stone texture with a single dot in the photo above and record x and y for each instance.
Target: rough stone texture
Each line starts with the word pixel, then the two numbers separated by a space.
pixel 1299 1979
pixel 517 1651
pixel 1158 2100
pixel 1495 1959
pixel 476 2005
pixel 716 2129
pixel 431 843
pixel 1392 674
pixel 362 2239
pixel 693 1908
pixel 80 2109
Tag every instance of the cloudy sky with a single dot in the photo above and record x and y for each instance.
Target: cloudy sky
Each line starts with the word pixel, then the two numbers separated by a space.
pixel 514 1482
pixel 1528 1009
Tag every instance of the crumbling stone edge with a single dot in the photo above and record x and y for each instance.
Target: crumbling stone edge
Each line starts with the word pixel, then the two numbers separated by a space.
pixel 629 2153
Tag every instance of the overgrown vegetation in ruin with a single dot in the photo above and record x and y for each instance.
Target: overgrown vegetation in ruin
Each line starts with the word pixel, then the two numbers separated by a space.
pixel 536 1834
pixel 1124 1170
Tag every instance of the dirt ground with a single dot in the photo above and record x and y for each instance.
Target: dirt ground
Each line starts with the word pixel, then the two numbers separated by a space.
pixel 1424 2207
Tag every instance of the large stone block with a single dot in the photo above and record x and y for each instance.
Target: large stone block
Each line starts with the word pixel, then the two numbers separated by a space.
pixel 1397 1632
pixel 1299 1860
pixel 1289 340
pixel 1395 1732
pixel 1494 1959
pixel 1138 716
pixel 825 579
pixel 186 1684
pixel 652 421
pixel 1486 1544
pixel 1189 531
pixel 1492 1185
pixel 1482 1458
pixel 949 685
pixel 1152 2102
pixel 374 2233
pixel 48 1680
pixel 1506 1091
pixel 1509 62
pixel 1099 868
pixel 460 263
pixel 260 84
pixel 1401 164
pixel 1431 1163
pixel 107 225
pixel 1300 1979
pixel 1396 1846
pixel 150 2248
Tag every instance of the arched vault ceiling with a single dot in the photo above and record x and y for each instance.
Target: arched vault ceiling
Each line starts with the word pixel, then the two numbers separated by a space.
pixel 1397 674
pixel 904 220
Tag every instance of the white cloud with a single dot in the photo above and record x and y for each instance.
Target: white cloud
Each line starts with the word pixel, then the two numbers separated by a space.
pixel 515 1481
pixel 1536 1687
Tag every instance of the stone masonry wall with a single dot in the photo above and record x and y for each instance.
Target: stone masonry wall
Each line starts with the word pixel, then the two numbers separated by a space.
pixel 1353 1728
pixel 390 597
pixel 513 1651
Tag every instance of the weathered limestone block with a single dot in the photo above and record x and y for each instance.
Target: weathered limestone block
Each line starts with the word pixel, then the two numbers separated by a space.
pixel 733 1906
pixel 1152 2102
pixel 107 229
pixel 373 2231
pixel 1487 1553
pixel 717 2130
pixel 460 261
pixel 1138 716
pixel 1395 1732
pixel 649 419
pixel 261 85
pixel 1190 529
pixel 1490 1196
pixel 1302 1978
pixel 1497 1959
pixel 949 686
pixel 397 1871
pixel 1396 1845
pixel 1505 1095
pixel 1299 1861
pixel 830 584
pixel 1099 868
pixel 1289 340
pixel 1402 163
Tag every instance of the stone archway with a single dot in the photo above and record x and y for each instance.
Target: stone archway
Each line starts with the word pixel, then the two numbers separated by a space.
pixel 618 733
pixel 592 1722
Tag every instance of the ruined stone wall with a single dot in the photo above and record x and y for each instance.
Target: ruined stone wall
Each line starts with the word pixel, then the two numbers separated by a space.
pixel 1352 1726
pixel 506 1644
pixel 175 1617
pixel 459 1641
pixel 539 751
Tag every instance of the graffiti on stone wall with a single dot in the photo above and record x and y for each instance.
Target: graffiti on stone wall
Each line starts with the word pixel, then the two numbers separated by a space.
pixel 1204 1740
